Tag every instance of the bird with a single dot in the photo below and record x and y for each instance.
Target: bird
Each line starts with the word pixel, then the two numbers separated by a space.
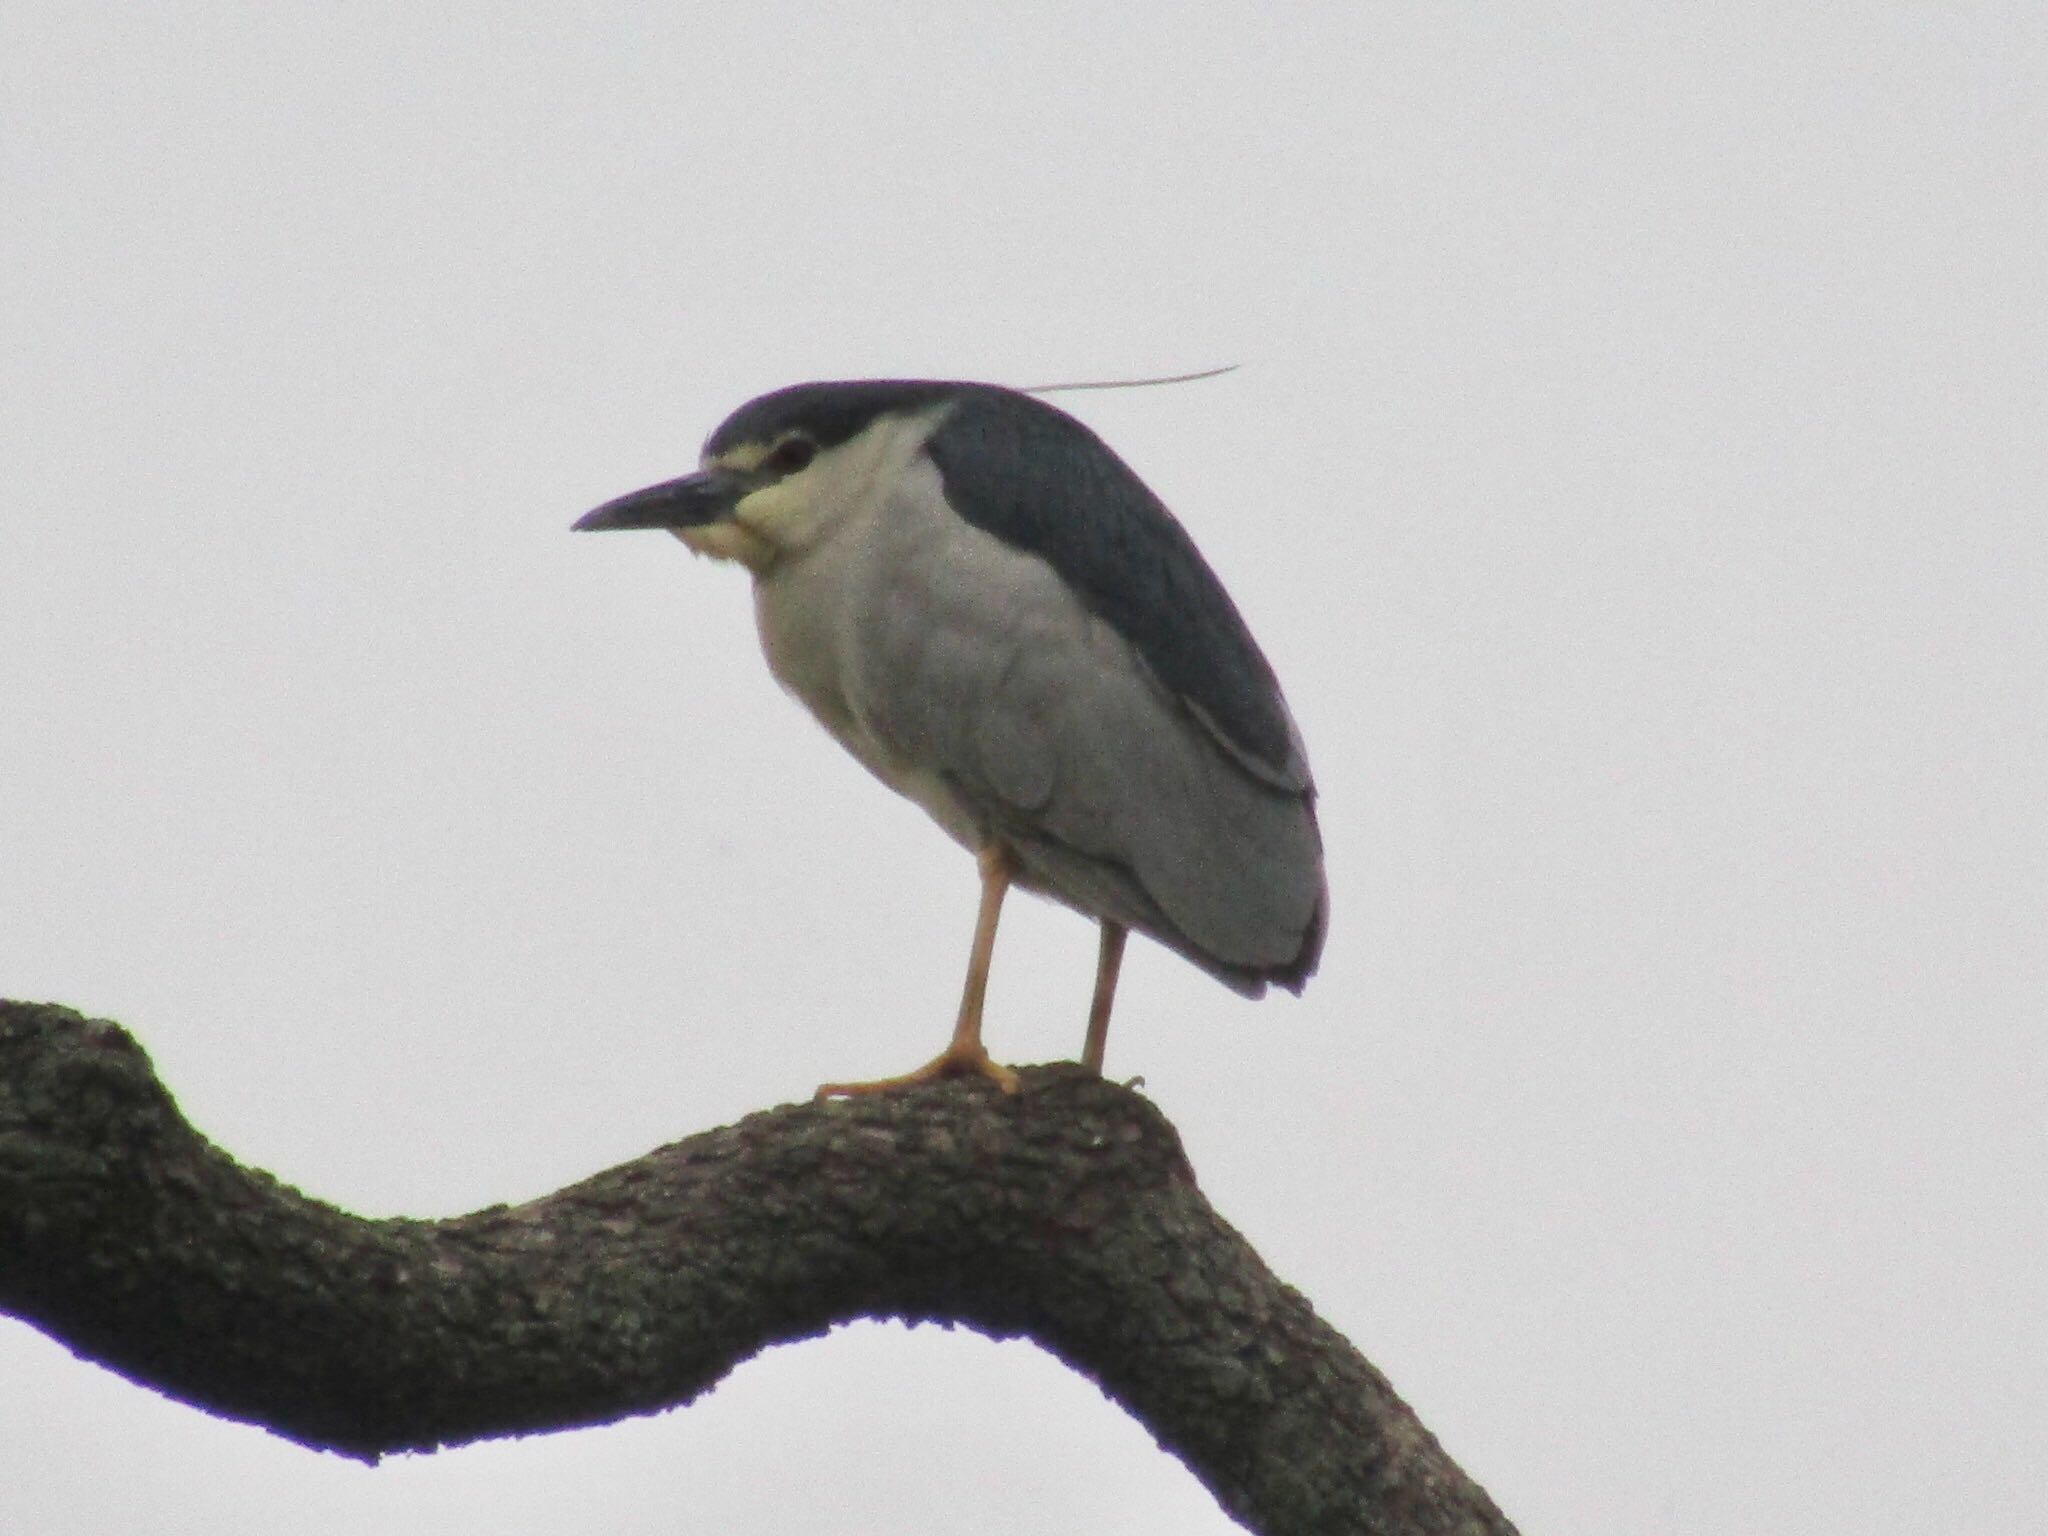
pixel 978 599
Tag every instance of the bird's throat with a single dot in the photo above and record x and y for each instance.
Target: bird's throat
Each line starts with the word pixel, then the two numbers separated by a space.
pixel 729 540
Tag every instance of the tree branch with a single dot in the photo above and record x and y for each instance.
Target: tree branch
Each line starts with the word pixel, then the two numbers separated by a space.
pixel 1066 1214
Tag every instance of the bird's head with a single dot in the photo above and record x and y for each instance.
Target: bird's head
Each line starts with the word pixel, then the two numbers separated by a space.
pixel 782 470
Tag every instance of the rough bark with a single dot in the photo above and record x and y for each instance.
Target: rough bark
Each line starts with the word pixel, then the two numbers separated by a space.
pixel 1066 1214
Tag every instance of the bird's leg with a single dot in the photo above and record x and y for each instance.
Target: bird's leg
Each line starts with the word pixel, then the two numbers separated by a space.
pixel 997 868
pixel 965 1052
pixel 1108 961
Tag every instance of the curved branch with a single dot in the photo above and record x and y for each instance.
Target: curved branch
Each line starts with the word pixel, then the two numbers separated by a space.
pixel 1066 1214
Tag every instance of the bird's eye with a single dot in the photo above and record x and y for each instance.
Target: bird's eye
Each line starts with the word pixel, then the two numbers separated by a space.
pixel 792 454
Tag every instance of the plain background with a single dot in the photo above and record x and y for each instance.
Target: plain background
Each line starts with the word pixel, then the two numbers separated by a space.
pixel 1634 473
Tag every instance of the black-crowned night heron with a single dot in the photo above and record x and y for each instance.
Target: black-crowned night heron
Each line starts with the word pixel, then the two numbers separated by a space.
pixel 990 610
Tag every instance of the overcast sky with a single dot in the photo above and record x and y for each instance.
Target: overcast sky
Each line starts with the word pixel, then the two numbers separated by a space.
pixel 1635 475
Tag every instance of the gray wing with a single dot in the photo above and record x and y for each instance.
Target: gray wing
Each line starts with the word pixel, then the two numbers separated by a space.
pixel 1043 483
pixel 1050 730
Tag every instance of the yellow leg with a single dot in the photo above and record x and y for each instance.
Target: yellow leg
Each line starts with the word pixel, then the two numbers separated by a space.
pixel 965 1052
pixel 1108 961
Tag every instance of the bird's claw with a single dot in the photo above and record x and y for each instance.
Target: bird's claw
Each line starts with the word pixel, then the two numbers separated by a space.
pixel 957 1060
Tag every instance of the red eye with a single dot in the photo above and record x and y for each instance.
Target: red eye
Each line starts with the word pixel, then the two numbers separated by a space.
pixel 792 454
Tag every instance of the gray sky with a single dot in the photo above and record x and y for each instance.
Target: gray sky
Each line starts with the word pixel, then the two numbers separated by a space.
pixel 1635 476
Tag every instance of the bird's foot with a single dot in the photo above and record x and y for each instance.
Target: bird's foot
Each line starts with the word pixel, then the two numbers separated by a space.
pixel 957 1060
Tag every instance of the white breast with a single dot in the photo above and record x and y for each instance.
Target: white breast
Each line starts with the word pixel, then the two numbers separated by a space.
pixel 816 611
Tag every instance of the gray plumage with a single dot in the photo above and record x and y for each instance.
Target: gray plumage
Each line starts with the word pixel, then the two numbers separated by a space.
pixel 1042 482
pixel 990 610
